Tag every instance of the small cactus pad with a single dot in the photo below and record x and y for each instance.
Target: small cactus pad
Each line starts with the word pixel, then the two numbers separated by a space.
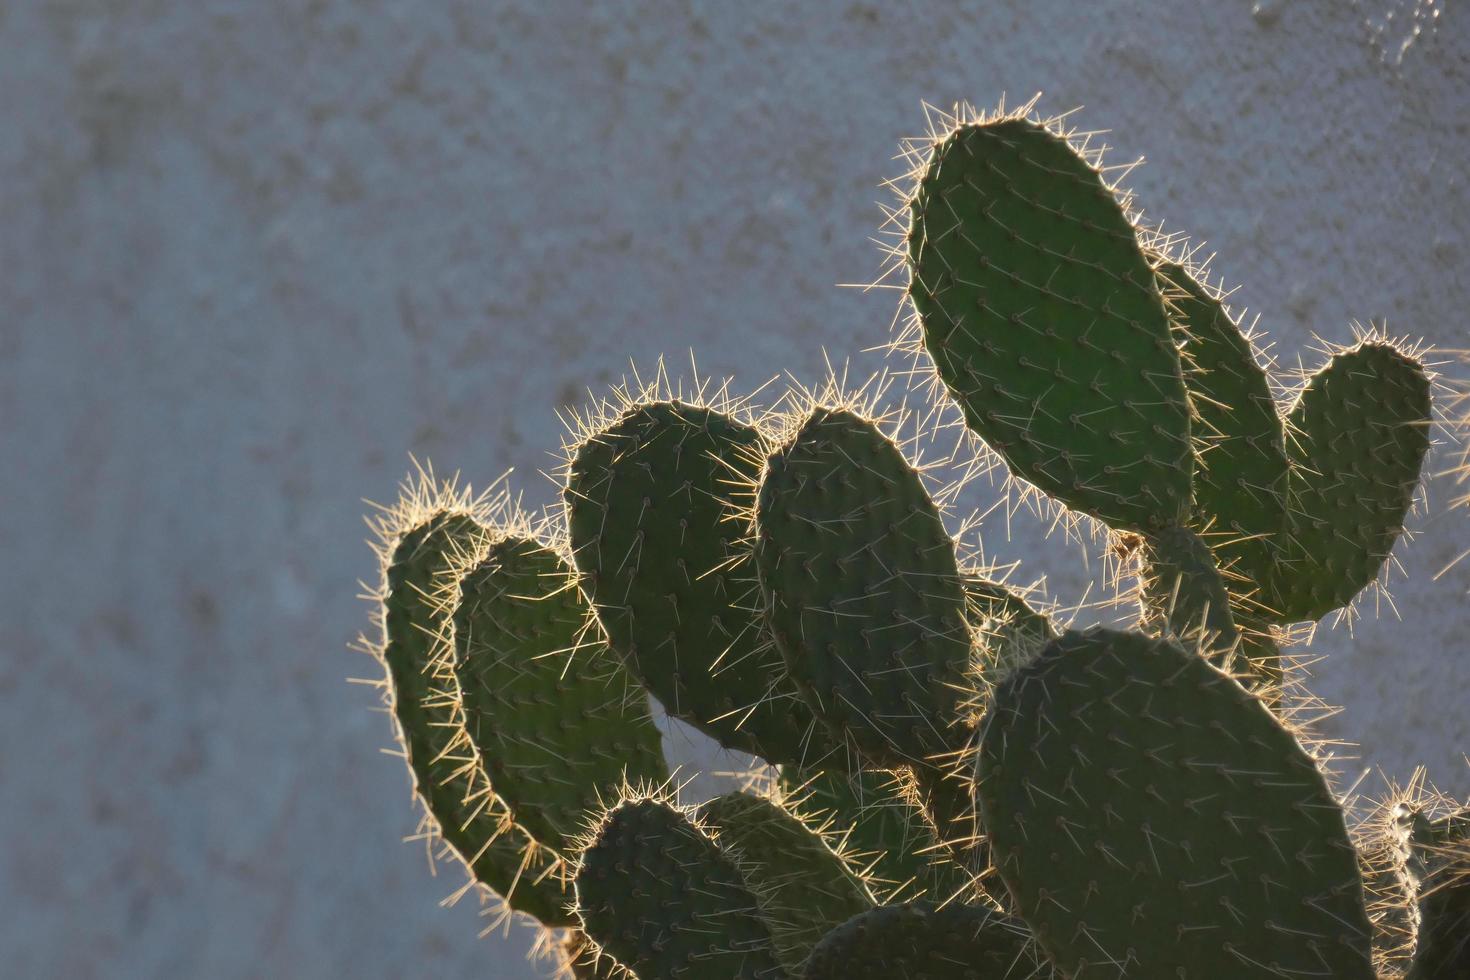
pixel 808 890
pixel 665 900
pixel 427 707
pixel 1151 818
pixel 559 721
pixel 1184 596
pixel 1011 632
pixel 1240 477
pixel 1356 437
pixel 921 942
pixel 989 601
pixel 658 541
pixel 1440 864
pixel 1045 322
pixel 881 827
pixel 862 589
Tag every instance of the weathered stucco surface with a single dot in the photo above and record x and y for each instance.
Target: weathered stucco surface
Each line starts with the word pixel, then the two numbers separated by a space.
pixel 255 252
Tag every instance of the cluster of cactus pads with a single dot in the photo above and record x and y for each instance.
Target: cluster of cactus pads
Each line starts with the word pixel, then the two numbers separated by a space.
pixel 953 783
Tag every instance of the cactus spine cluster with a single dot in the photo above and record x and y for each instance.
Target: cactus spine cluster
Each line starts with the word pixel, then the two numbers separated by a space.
pixel 964 786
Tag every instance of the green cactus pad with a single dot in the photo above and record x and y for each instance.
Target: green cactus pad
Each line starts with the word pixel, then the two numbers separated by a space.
pixel 1044 321
pixel 560 723
pixel 862 589
pixel 426 705
pixel 881 828
pixel 808 889
pixel 918 941
pixel 1184 596
pixel 658 542
pixel 989 601
pixel 1440 876
pixel 1241 474
pixel 1151 818
pixel 665 900
pixel 1011 631
pixel 1356 437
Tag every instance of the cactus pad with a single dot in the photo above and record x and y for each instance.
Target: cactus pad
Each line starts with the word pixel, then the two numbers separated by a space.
pixel 808 889
pixel 429 713
pixel 665 900
pixel 1044 321
pixel 921 942
pixel 657 541
pixel 1151 818
pixel 862 589
pixel 1356 437
pixel 1241 474
pixel 559 722
pixel 1011 631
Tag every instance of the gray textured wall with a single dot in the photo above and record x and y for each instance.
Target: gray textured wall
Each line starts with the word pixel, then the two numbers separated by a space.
pixel 254 252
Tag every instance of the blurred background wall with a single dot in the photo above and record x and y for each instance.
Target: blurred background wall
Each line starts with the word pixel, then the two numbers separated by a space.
pixel 253 253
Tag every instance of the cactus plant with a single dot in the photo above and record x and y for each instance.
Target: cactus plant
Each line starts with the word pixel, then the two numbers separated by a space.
pixel 966 786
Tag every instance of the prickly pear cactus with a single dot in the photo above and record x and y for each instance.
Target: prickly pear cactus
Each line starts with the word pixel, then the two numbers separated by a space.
pixel 1109 378
pixel 965 787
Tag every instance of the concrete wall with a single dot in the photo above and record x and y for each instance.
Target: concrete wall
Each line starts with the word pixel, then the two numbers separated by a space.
pixel 255 252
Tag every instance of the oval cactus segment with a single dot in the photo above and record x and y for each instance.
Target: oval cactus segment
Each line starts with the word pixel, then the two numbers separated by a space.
pixel 426 703
pixel 665 900
pixel 807 889
pixel 881 828
pixel 559 721
pixel 659 542
pixel 1356 437
pixel 918 941
pixel 1044 321
pixel 862 590
pixel 1148 814
pixel 1240 473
